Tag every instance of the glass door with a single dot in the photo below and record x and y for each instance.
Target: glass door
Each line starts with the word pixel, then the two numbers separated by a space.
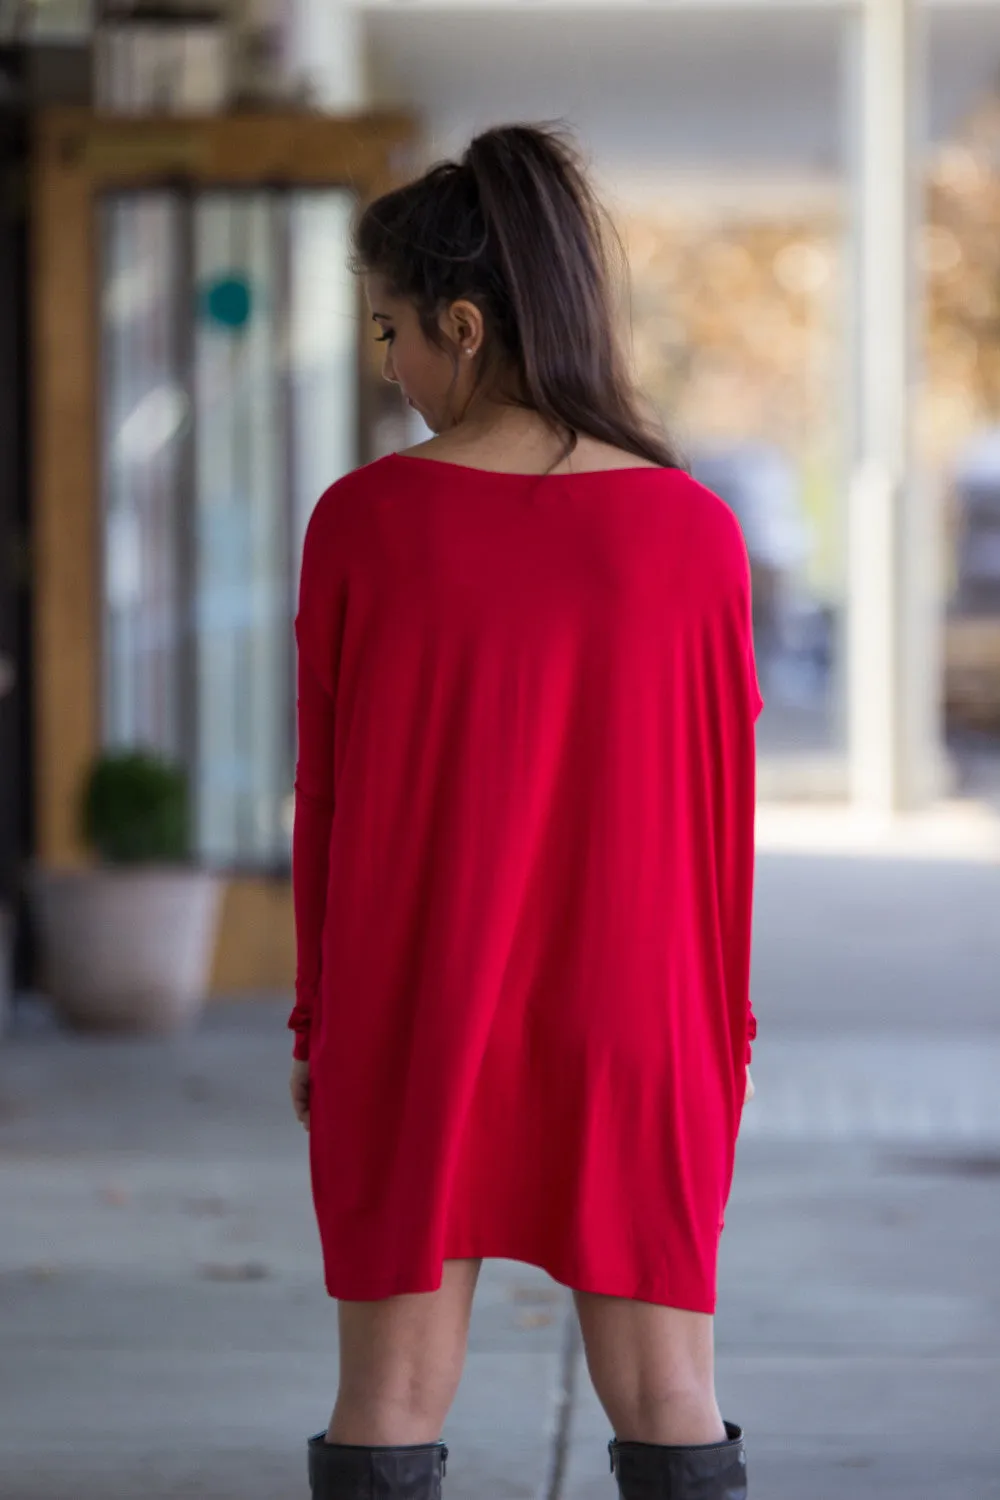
pixel 229 402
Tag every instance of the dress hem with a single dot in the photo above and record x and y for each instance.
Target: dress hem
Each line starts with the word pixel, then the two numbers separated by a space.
pixel 655 1293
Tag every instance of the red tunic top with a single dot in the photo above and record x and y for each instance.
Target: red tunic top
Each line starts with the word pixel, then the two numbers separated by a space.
pixel 523 865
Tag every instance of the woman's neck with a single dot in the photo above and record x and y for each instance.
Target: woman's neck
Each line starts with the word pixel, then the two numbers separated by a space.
pixel 510 436
pixel 523 444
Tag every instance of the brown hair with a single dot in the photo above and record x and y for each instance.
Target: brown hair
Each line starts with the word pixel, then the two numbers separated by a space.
pixel 516 228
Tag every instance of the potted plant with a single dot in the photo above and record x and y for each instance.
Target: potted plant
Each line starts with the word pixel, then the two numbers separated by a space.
pixel 127 942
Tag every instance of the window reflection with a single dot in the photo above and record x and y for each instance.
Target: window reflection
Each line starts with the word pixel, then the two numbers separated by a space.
pixel 229 403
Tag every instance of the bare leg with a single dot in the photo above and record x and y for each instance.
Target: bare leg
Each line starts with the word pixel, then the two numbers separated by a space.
pixel 653 1369
pixel 401 1361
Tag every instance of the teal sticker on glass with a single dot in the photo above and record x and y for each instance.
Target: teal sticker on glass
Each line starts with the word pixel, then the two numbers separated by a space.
pixel 227 301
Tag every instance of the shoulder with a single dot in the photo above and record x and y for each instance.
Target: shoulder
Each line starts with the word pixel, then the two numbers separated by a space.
pixel 337 528
pixel 354 485
pixel 710 525
pixel 708 548
pixel 339 504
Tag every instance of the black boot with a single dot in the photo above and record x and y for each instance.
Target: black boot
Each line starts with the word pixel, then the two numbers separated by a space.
pixel 707 1471
pixel 340 1471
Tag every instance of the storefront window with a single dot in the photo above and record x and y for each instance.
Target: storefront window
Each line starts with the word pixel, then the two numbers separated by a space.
pixel 229 404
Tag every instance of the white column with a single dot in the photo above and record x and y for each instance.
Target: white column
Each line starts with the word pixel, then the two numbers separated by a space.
pixel 893 678
pixel 326 50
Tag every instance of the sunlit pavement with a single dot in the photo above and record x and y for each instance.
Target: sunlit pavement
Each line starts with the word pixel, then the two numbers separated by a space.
pixel 165 1332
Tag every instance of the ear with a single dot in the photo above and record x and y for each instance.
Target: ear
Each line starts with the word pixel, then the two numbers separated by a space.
pixel 463 326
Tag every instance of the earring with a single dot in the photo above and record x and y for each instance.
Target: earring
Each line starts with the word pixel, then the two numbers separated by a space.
pixel 470 352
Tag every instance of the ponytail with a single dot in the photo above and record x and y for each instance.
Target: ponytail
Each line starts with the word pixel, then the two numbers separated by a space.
pixel 516 228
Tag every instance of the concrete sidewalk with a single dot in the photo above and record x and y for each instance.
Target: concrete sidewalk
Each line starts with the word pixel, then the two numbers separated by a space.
pixel 165 1332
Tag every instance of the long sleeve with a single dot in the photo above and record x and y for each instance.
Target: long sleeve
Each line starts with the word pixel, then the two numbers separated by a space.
pixel 314 804
pixel 757 704
pixel 738 705
pixel 317 631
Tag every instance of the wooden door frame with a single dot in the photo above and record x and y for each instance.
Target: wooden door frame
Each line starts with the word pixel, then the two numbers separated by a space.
pixel 76 156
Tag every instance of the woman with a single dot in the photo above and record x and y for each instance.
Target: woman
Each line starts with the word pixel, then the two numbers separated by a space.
pixel 523 848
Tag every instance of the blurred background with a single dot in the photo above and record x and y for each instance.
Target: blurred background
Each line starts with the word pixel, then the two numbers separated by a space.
pixel 814 309
pixel 809 193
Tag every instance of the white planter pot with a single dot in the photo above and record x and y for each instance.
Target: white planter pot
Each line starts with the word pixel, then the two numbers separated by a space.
pixel 127 949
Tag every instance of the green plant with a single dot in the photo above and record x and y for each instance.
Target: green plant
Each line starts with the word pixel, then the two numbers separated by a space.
pixel 134 809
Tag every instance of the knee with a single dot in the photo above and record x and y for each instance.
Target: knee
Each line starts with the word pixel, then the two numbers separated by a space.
pixel 649 1391
pixel 673 1412
pixel 659 1406
pixel 652 1396
pixel 392 1409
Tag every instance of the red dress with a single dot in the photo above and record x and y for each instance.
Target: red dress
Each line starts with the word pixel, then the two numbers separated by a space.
pixel 523 867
